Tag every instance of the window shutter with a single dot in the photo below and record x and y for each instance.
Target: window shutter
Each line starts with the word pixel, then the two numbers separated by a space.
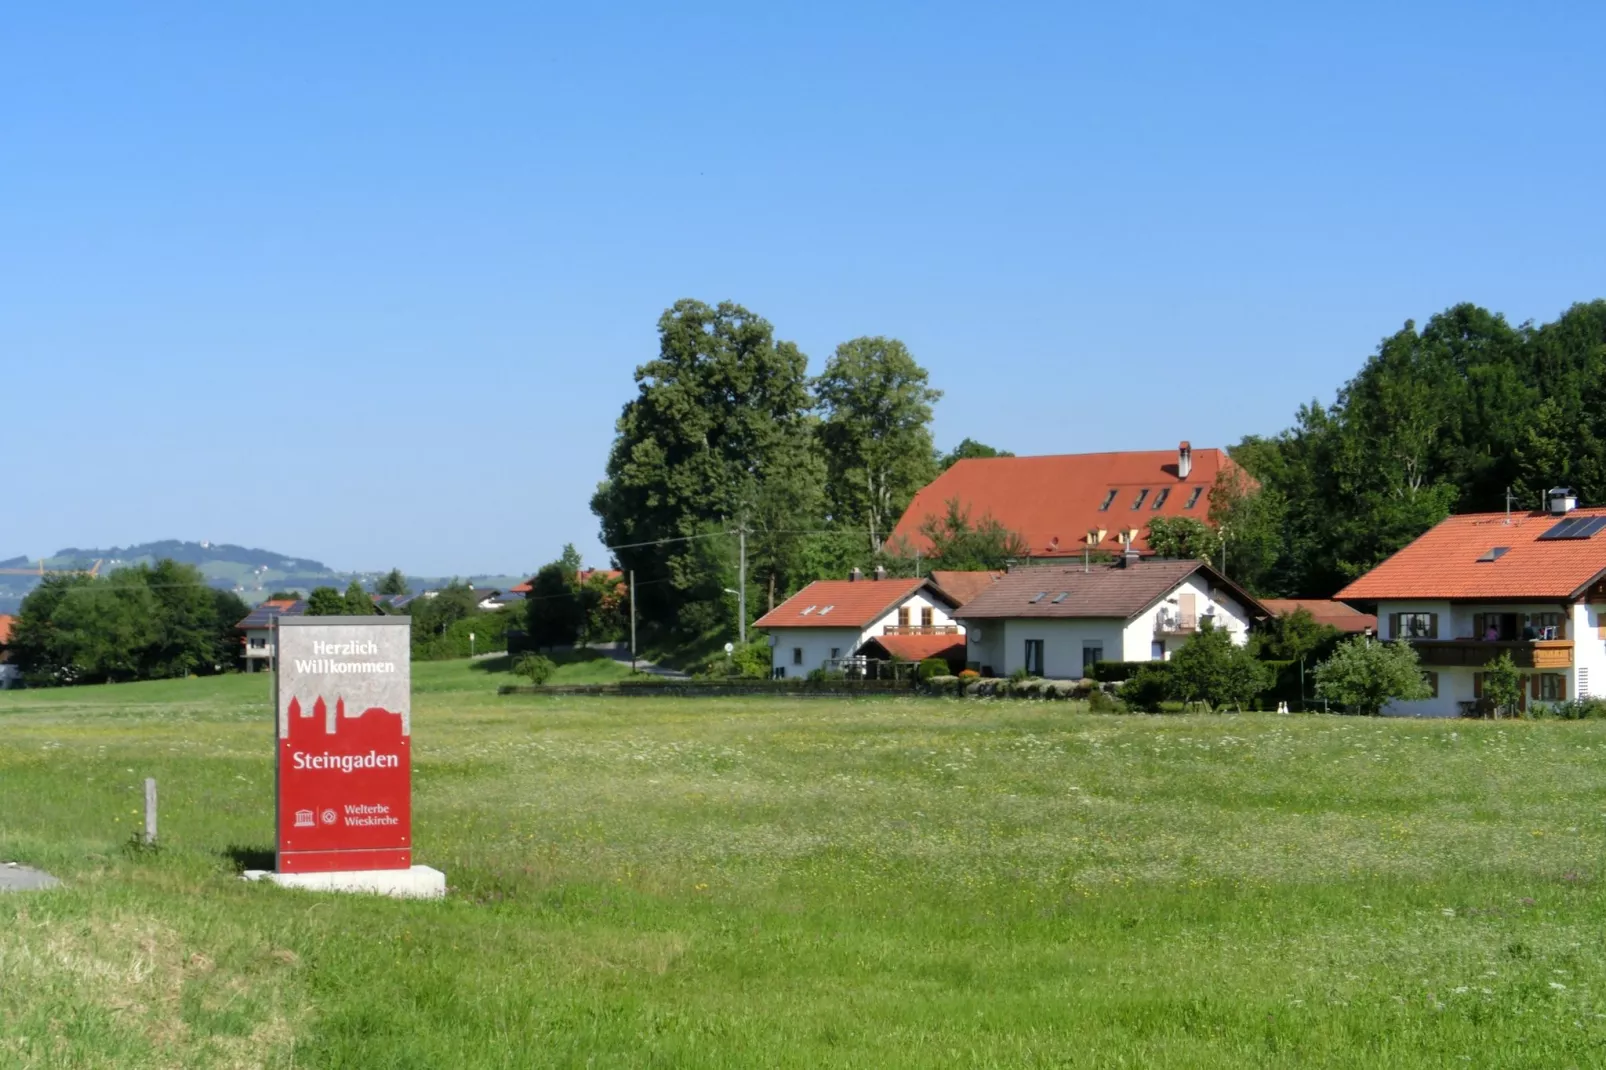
pixel 1536 685
pixel 1394 626
pixel 1433 625
pixel 1477 626
pixel 1561 687
pixel 1477 685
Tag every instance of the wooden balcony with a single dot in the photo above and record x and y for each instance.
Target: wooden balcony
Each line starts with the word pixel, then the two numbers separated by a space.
pixel 920 629
pixel 1476 653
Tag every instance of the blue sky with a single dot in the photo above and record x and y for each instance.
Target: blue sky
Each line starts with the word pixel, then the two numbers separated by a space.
pixel 367 282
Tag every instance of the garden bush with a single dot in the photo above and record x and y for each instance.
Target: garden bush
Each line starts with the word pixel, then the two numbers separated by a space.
pixel 1578 709
pixel 538 668
pixel 1149 687
pixel 933 667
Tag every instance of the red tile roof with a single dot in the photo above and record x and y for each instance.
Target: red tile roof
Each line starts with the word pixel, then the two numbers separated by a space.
pixel 844 603
pixel 1326 611
pixel 961 585
pixel 6 621
pixel 920 647
pixel 1054 501
pixel 1444 562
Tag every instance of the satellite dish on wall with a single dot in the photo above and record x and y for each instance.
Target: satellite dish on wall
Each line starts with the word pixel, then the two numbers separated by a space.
pixel 974 633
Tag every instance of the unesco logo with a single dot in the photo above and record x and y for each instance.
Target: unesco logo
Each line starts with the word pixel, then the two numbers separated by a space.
pixel 329 817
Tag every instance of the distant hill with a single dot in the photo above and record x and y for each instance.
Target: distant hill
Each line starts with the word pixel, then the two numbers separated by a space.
pixel 251 573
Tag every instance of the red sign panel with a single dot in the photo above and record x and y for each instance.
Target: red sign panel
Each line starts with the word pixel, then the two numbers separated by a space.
pixel 344 761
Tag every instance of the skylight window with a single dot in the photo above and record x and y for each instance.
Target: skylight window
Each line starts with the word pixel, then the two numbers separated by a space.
pixel 827 609
pixel 1159 499
pixel 1038 597
pixel 1193 499
pixel 1494 553
pixel 1062 596
pixel 1137 503
pixel 807 611
pixel 1108 498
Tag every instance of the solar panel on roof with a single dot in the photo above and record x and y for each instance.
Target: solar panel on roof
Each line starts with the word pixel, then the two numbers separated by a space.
pixel 1591 527
pixel 1563 529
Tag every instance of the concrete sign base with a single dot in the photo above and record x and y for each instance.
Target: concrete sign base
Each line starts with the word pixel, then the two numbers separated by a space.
pixel 419 882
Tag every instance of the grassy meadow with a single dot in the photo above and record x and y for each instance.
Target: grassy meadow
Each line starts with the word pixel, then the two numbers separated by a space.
pixel 804 882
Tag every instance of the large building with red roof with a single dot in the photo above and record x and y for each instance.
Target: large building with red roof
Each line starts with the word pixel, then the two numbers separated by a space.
pixel 1531 585
pixel 1053 502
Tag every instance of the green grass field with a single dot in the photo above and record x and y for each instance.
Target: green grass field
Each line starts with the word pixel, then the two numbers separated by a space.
pixel 815 882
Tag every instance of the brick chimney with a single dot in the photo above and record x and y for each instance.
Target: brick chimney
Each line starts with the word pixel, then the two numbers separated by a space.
pixel 1184 460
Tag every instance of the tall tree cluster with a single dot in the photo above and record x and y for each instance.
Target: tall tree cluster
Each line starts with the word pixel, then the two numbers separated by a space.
pixel 728 433
pixel 147 622
pixel 1444 418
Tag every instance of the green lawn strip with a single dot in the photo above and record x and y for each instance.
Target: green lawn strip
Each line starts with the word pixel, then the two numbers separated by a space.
pixel 806 882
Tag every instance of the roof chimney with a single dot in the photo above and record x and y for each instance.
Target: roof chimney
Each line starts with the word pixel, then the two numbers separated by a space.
pixel 881 572
pixel 856 575
pixel 1562 501
pixel 1130 557
pixel 1184 460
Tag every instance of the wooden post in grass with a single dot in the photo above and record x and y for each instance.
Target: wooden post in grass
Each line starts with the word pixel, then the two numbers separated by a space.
pixel 150 811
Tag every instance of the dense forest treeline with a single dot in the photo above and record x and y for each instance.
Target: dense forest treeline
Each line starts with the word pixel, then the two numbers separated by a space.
pixel 1443 419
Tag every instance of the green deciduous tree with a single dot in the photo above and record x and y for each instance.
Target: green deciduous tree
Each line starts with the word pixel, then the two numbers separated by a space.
pixel 967 449
pixel 1183 537
pixel 553 612
pixel 718 436
pixel 1363 675
pixel 357 601
pixel 325 602
pixel 1211 668
pixel 875 404
pixel 1297 635
pixel 138 623
pixel 957 542
pixel 1502 685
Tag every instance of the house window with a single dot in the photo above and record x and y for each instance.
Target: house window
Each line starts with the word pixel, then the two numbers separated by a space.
pixel 797 655
pixel 1432 680
pixel 1137 503
pixel 1552 687
pixel 928 617
pixel 1104 506
pixel 1193 499
pixel 1157 651
pixel 1034 657
pixel 1092 654
pixel 1159 499
pixel 780 672
pixel 258 643
pixel 903 616
pixel 1546 626
pixel 836 652
pixel 1415 626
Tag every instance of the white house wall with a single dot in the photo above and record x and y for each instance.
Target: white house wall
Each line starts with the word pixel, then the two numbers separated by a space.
pixel 817 642
pixel 1587 676
pixel 1002 643
pixel 816 645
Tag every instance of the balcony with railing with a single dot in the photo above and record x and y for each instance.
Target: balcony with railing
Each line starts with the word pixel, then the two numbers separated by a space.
pixel 920 629
pixel 1476 653
pixel 1176 622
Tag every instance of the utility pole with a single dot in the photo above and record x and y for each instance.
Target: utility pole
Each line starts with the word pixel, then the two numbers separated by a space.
pixel 632 620
pixel 741 583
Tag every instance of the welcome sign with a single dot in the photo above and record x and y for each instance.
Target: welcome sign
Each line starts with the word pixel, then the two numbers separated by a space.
pixel 343 693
